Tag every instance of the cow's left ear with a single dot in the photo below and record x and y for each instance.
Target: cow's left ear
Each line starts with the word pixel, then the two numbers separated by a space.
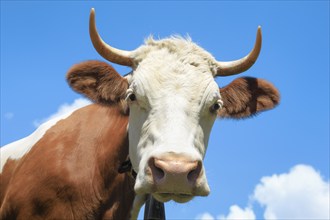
pixel 98 81
pixel 246 96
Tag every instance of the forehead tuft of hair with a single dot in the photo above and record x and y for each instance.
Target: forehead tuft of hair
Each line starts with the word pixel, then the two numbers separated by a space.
pixel 150 40
pixel 184 49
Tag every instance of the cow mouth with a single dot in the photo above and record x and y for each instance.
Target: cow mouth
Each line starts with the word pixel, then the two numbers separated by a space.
pixel 177 197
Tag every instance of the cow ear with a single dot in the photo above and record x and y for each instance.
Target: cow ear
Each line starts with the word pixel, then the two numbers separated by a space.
pixel 245 97
pixel 98 81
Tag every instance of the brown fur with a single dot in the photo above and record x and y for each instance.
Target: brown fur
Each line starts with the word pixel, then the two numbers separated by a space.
pixel 98 81
pixel 5 177
pixel 245 97
pixel 71 173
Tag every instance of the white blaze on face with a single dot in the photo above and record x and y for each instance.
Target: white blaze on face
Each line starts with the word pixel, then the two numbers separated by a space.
pixel 174 90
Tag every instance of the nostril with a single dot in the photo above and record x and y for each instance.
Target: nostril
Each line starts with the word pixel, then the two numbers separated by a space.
pixel 178 170
pixel 157 173
pixel 195 172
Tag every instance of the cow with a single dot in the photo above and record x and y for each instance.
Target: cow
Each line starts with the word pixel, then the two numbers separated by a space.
pixel 159 116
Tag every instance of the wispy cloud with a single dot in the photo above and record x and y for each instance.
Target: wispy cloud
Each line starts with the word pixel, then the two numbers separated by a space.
pixel 301 193
pixel 64 109
pixel 9 115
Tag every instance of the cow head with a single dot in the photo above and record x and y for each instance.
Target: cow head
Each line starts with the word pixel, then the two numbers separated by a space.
pixel 173 101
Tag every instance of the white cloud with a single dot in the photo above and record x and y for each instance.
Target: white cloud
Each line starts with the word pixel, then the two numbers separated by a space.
pixel 301 193
pixel 64 109
pixel 205 216
pixel 236 213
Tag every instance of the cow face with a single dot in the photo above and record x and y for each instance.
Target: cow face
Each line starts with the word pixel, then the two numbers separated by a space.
pixel 173 101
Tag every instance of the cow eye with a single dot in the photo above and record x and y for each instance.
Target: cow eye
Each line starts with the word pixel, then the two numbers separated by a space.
pixel 132 97
pixel 215 107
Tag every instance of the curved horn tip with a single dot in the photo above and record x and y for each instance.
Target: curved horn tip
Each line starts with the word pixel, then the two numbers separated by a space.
pixel 259 30
pixel 109 53
pixel 92 14
pixel 237 66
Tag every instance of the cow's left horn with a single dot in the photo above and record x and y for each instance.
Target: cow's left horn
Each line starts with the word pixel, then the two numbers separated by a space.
pixel 109 53
pixel 237 66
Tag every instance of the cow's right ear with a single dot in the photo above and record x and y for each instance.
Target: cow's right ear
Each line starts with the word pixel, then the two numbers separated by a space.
pixel 98 81
pixel 246 97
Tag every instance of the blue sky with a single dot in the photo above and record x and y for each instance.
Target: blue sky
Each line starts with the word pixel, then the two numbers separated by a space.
pixel 40 41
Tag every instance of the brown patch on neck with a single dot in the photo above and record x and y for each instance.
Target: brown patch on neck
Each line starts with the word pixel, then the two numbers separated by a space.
pixel 72 172
pixel 5 177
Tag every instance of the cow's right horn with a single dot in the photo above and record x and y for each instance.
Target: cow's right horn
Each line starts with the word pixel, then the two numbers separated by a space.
pixel 109 53
pixel 237 66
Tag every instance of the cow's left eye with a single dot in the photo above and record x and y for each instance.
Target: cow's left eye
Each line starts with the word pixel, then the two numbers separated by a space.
pixel 215 107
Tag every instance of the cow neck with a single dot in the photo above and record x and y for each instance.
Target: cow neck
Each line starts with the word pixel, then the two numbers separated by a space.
pixel 153 208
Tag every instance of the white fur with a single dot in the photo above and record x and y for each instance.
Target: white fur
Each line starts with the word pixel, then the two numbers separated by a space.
pixel 174 86
pixel 138 202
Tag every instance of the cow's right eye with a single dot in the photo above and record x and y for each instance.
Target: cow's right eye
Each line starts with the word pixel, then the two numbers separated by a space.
pixel 132 97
